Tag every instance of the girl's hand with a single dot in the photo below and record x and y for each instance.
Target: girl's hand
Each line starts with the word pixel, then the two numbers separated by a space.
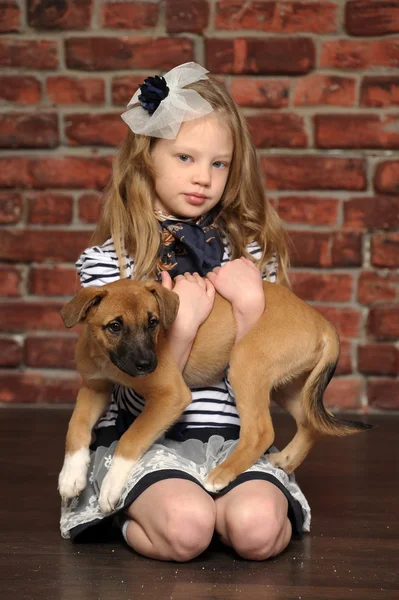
pixel 240 282
pixel 196 296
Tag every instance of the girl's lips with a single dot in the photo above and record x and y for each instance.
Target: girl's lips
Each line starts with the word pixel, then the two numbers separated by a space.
pixel 194 199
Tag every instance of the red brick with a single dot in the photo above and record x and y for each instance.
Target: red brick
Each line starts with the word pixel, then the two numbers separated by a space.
pixel 10 352
pixel 378 359
pixel 319 249
pixel 49 209
pixel 10 279
pixel 343 393
pixel 346 320
pixel 277 17
pixel 71 172
pixel 182 16
pixel 28 54
pixel 99 53
pixel 10 17
pixel 124 87
pixel 43 245
pixel 95 130
pixel 357 55
pixel 22 315
pixel 386 178
pixel 278 130
pixel 383 393
pixel 383 321
pixel 70 14
pixel 20 90
pixel 313 173
pixel 54 281
pixel 372 17
pixel 89 208
pixel 309 210
pixel 54 352
pixel 317 89
pixel 73 90
pixel 380 91
pixel 310 249
pixel 21 130
pixel 345 366
pixel 356 131
pixel 385 250
pixel 130 15
pixel 379 212
pixel 347 249
pixel 260 92
pixel 377 287
pixel 11 207
pixel 34 387
pixel 260 56
pixel 331 287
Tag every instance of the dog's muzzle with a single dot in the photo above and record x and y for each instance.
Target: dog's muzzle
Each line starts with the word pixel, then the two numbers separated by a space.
pixel 133 365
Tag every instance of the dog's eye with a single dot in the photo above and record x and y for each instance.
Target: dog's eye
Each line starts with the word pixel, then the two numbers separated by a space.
pixel 153 322
pixel 114 327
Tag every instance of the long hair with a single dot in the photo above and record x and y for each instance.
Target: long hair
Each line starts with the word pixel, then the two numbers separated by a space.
pixel 244 214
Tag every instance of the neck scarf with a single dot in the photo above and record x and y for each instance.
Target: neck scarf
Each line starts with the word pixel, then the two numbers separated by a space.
pixel 188 245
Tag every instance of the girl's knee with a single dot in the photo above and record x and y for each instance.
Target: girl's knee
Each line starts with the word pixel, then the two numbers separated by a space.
pixel 189 528
pixel 257 530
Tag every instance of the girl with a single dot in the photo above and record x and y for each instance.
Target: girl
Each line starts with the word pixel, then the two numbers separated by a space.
pixel 186 204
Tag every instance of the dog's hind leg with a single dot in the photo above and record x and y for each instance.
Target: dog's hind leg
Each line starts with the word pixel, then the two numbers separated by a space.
pixel 252 388
pixel 90 405
pixel 290 397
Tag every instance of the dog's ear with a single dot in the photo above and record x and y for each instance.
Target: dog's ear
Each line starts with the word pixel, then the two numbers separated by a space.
pixel 76 309
pixel 168 302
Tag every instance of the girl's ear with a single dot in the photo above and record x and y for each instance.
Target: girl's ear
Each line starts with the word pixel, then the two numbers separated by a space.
pixel 168 302
pixel 76 309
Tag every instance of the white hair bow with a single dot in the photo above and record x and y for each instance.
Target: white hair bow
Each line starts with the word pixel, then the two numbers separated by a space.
pixel 178 105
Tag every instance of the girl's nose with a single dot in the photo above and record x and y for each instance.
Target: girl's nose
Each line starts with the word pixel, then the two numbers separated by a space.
pixel 202 175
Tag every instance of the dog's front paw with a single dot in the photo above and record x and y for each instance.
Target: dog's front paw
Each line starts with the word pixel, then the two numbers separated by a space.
pixel 113 483
pixel 73 477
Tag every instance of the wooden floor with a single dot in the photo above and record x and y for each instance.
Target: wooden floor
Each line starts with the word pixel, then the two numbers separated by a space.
pixel 351 552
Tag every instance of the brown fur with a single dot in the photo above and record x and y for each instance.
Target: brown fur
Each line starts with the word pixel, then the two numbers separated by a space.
pixel 290 354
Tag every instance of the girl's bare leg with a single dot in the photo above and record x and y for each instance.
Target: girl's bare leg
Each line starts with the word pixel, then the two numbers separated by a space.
pixel 173 519
pixel 252 518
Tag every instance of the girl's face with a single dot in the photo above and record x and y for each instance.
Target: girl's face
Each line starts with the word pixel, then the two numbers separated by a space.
pixel 191 171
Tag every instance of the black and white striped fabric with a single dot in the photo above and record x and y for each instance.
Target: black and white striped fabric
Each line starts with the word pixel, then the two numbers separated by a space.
pixel 211 406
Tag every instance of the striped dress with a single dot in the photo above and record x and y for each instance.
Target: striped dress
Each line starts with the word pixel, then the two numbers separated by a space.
pixel 205 434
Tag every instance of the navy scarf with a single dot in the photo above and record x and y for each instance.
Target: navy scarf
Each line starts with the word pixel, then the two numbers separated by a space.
pixel 193 246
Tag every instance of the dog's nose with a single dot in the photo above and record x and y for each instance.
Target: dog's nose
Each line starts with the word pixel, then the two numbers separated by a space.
pixel 143 365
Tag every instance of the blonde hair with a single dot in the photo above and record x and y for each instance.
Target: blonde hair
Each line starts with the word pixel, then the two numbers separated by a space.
pixel 244 213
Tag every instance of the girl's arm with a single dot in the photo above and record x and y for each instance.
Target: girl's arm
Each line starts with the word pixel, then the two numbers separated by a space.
pixel 240 282
pixel 196 296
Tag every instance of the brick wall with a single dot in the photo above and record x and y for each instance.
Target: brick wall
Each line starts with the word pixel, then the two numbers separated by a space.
pixel 319 83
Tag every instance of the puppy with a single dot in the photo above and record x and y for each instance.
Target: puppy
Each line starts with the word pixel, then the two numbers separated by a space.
pixel 290 353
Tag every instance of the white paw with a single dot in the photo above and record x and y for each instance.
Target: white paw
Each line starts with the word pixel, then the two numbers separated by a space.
pixel 213 487
pixel 73 477
pixel 215 484
pixel 113 483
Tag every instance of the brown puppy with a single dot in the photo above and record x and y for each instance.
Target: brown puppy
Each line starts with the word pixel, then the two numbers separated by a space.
pixel 290 352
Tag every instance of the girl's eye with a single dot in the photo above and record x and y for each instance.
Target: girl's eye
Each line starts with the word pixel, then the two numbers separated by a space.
pixel 153 322
pixel 184 157
pixel 114 327
pixel 219 164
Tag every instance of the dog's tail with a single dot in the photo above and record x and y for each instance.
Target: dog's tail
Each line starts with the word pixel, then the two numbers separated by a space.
pixel 322 420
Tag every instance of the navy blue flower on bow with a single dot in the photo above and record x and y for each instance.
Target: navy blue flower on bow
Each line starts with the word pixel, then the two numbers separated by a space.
pixel 153 91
